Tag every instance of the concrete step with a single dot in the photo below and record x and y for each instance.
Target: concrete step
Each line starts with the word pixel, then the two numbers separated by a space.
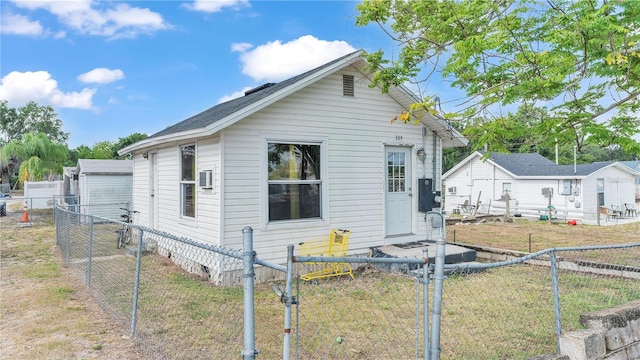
pixel 454 254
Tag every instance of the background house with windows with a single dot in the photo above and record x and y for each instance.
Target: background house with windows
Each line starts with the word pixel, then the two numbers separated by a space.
pixel 534 182
pixel 294 160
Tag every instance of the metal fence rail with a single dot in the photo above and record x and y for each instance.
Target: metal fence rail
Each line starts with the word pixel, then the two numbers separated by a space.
pixel 173 313
pixel 181 299
pixel 377 314
pixel 519 308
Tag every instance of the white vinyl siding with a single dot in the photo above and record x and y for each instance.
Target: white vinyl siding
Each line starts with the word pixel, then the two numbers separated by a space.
pixel 356 131
pixel 353 131
pixel 206 226
pixel 141 187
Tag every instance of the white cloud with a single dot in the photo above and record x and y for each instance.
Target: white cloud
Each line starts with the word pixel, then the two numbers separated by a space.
pixel 18 88
pixel 211 6
pixel 20 25
pixel 275 61
pixel 234 95
pixel 114 20
pixel 101 76
pixel 241 47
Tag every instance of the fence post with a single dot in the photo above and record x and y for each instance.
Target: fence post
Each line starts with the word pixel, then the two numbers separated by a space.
pixel 58 222
pixel 249 352
pixel 68 239
pixel 438 278
pixel 556 297
pixel 90 254
pixel 136 285
pixel 425 304
pixel 288 301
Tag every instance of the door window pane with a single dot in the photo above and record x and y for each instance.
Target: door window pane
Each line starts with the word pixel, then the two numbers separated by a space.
pixel 396 171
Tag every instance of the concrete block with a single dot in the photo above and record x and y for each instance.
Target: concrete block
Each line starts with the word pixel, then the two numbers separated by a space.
pixel 583 344
pixel 604 319
pixel 635 327
pixel 617 316
pixel 616 355
pixel 633 351
pixel 618 338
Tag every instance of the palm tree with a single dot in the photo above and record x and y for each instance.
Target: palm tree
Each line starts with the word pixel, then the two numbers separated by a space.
pixel 39 157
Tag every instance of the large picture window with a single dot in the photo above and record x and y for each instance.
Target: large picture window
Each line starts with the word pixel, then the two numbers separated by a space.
pixel 188 180
pixel 294 181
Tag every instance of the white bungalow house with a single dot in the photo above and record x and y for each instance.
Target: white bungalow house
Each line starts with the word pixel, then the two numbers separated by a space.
pixel 294 160
pixel 533 183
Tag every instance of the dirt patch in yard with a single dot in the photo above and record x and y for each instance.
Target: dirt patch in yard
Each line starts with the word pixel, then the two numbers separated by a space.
pixel 46 312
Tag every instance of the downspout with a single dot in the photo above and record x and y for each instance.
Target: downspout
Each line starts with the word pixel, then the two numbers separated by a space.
pixel 433 161
pixel 424 144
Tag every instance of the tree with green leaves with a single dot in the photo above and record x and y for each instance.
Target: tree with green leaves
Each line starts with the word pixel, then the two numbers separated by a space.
pixel 14 122
pixel 577 60
pixel 105 149
pixel 40 157
pixel 126 141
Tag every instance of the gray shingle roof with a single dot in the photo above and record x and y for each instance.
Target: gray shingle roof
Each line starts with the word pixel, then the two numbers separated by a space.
pixel 534 164
pixel 222 110
pixel 635 165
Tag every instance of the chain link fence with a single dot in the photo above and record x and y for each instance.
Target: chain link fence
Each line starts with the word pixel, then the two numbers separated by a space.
pixel 30 211
pixel 518 309
pixel 185 300
pixel 171 297
pixel 375 315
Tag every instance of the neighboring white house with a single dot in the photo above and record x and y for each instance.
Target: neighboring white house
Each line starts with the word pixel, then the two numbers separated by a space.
pixel 294 160
pixel 101 182
pixel 533 182
pixel 635 166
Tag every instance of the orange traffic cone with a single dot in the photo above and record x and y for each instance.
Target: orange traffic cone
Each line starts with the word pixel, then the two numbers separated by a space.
pixel 25 213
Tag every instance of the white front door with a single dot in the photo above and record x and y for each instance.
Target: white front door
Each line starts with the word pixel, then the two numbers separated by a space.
pixel 398 190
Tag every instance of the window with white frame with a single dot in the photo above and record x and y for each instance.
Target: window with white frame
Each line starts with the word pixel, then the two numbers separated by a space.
pixel 600 191
pixel 294 181
pixel 188 180
pixel 506 188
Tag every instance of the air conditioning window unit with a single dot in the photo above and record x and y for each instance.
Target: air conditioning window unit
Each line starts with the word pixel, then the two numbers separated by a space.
pixel 206 179
pixel 452 190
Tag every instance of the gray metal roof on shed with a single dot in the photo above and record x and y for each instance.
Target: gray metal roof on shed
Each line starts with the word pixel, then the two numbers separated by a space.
pixel 104 167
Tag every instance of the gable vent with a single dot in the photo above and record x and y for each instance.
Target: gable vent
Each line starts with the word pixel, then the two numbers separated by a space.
pixel 347 85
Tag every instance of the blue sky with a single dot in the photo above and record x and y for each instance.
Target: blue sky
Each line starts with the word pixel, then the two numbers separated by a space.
pixel 112 68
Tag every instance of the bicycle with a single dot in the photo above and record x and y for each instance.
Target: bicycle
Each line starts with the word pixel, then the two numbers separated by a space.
pixel 124 234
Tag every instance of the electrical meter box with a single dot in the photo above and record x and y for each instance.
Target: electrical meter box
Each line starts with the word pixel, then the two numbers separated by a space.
pixel 428 199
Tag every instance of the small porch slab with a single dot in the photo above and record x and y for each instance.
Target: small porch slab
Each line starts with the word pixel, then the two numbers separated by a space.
pixel 454 254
